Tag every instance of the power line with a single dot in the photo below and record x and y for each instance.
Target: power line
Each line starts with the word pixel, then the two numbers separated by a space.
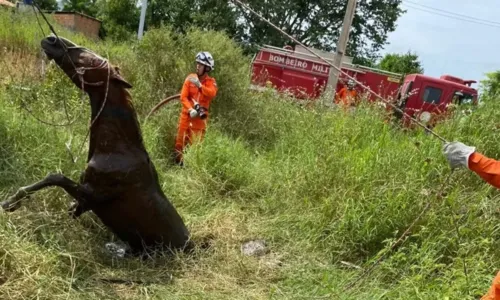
pixel 452 13
pixel 485 23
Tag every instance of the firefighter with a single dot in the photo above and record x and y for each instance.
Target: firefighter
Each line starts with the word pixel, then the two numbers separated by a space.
pixel 461 155
pixel 197 93
pixel 347 96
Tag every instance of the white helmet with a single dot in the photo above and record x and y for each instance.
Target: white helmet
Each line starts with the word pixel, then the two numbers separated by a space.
pixel 351 83
pixel 205 58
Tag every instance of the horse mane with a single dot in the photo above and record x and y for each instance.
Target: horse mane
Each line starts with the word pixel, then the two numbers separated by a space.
pixel 127 102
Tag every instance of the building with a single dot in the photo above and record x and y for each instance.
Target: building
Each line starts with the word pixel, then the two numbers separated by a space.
pixel 78 22
pixel 74 21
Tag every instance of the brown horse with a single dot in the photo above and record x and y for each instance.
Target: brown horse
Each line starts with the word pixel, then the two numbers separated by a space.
pixel 120 183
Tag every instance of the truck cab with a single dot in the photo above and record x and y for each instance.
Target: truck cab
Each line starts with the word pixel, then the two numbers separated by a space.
pixel 291 70
pixel 428 98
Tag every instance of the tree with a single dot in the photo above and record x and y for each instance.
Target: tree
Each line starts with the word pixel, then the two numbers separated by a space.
pixel 49 5
pixel 120 18
pixel 88 7
pixel 407 63
pixel 490 87
pixel 317 23
pixel 216 15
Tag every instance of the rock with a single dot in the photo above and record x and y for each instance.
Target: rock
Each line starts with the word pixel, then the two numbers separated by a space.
pixel 254 248
pixel 116 250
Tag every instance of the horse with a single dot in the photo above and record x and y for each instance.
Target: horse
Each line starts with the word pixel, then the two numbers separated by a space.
pixel 120 183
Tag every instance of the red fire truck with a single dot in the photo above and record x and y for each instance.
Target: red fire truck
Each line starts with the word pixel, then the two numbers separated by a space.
pixel 306 77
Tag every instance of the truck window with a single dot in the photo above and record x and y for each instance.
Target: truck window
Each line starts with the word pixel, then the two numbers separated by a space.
pixel 466 98
pixel 432 95
pixel 408 89
pixel 402 96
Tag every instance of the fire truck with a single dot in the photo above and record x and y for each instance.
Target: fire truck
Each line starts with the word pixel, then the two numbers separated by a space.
pixel 306 77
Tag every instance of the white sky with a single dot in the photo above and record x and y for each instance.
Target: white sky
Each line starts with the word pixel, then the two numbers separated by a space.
pixel 450 46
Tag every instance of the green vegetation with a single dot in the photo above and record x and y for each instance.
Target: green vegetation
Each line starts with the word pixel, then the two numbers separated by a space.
pixel 319 186
pixel 490 87
pixel 407 63
pixel 315 23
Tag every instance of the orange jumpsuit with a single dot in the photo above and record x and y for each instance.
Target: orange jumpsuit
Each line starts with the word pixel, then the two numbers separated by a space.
pixel 346 97
pixel 189 128
pixel 494 291
pixel 489 170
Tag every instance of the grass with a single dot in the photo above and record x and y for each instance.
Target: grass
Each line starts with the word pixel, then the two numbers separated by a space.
pixel 321 187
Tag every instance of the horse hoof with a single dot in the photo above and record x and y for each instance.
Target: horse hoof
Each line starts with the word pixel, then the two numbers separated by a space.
pixel 75 210
pixel 116 249
pixel 9 206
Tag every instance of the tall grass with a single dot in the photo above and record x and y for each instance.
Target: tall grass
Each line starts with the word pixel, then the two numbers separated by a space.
pixel 320 186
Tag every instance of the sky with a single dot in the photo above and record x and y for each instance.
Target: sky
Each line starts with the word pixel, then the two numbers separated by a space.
pixel 450 46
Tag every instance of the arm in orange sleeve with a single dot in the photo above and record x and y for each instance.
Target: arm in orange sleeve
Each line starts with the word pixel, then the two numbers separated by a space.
pixel 356 97
pixel 210 89
pixel 488 169
pixel 186 104
pixel 494 291
pixel 340 96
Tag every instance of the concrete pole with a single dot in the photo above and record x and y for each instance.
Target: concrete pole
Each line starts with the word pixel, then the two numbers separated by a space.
pixel 143 17
pixel 333 77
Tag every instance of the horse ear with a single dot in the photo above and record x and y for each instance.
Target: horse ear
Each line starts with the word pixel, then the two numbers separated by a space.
pixel 118 77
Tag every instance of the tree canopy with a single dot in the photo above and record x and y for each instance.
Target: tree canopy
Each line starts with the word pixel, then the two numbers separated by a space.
pixel 490 86
pixel 407 63
pixel 47 4
pixel 88 7
pixel 316 23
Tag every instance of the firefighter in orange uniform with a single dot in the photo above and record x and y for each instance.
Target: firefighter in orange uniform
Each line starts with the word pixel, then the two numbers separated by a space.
pixel 196 95
pixel 460 155
pixel 347 96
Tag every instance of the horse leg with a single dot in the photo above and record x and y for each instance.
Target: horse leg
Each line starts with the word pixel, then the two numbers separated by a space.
pixel 80 193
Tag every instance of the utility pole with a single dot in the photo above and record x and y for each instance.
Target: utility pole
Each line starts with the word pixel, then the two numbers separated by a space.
pixel 333 77
pixel 143 16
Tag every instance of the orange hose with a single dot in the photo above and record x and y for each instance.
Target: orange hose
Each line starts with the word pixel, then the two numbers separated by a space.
pixel 162 102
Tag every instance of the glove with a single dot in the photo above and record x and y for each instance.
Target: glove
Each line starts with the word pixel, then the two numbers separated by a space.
pixel 195 81
pixel 458 154
pixel 193 113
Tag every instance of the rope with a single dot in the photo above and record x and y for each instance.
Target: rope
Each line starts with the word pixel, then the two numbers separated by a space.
pixel 98 114
pixel 407 231
pixel 65 106
pixel 342 72
pixel 54 32
pixel 459 241
pixel 38 21
pixel 23 103
pixel 79 72
pixel 442 139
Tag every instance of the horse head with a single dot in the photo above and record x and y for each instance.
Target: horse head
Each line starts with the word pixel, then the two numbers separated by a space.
pixel 87 70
